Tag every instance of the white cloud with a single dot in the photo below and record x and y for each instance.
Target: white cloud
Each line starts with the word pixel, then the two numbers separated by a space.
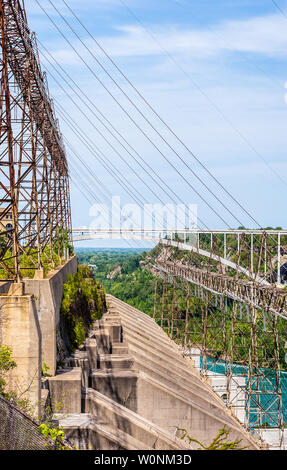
pixel 265 35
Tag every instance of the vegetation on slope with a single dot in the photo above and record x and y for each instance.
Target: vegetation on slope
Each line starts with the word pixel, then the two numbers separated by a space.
pixel 83 302
pixel 133 284
pixel 6 364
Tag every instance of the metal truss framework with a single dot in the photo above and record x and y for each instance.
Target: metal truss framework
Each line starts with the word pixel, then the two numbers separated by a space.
pixel 265 243
pixel 238 326
pixel 34 179
pixel 267 298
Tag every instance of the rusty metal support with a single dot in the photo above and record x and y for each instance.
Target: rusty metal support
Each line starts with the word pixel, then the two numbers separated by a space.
pixel 35 216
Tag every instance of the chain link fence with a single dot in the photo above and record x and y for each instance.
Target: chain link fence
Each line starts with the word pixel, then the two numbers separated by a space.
pixel 20 432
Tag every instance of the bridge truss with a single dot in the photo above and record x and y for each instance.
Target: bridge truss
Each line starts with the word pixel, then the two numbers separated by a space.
pixel 35 218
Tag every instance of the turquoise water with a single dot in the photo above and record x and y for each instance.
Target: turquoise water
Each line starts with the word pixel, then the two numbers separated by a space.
pixel 264 401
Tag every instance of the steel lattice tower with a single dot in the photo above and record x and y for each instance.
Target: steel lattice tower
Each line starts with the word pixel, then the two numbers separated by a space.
pixel 35 217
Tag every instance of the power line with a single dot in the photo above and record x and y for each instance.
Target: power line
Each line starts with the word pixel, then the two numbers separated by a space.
pixel 151 172
pixel 110 168
pixel 195 84
pixel 135 123
pixel 80 97
pixel 90 173
pixel 103 159
pixel 247 243
pixel 102 135
pixel 156 113
pixel 79 185
pixel 279 8
pixel 183 177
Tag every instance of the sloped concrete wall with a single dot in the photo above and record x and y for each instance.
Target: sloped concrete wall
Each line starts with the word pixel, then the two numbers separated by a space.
pixel 170 392
pixel 129 422
pixel 48 294
pixel 29 318
pixel 168 409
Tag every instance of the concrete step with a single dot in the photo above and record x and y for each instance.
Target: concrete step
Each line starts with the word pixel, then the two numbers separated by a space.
pixel 65 388
pixel 100 341
pixel 120 348
pixel 144 330
pixel 121 308
pixel 166 406
pixel 131 423
pixel 151 327
pixel 174 353
pixel 151 335
pixel 119 385
pixel 115 361
pixel 131 313
pixel 80 359
pixel 157 365
pixel 171 411
pixel 163 355
pixel 89 433
pixel 155 339
pixel 159 400
pixel 175 380
pixel 113 326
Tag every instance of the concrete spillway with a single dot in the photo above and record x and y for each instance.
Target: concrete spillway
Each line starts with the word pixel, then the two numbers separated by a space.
pixel 138 390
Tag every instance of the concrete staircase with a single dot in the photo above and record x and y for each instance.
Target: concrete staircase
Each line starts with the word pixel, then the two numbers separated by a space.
pixel 138 391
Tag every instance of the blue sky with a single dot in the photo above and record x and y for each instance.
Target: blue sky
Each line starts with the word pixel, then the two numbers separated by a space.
pixel 215 71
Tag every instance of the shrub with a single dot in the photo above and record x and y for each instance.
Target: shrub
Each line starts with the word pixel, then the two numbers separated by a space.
pixel 81 306
pixel 6 364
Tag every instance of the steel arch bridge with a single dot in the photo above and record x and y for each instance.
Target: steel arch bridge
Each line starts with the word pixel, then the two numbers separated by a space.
pixel 259 288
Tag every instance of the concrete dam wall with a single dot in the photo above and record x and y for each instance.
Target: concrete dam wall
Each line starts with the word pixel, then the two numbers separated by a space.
pixel 130 388
pixel 29 321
